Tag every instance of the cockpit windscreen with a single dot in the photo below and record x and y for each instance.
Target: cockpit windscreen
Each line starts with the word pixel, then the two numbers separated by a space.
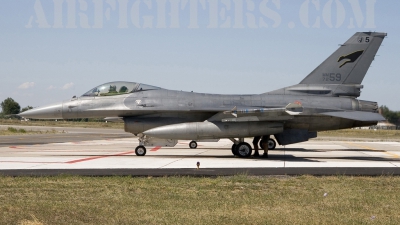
pixel 118 88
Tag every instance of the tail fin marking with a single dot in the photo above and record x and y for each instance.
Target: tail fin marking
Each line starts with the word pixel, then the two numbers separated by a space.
pixel 350 62
pixel 350 58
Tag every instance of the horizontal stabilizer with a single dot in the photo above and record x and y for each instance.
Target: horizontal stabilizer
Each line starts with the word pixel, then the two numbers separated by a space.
pixel 356 115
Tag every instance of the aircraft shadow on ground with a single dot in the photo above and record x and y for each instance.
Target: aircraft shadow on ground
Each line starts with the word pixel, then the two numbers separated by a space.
pixel 289 149
pixel 361 158
pixel 281 157
pixel 229 149
pixel 327 150
pixel 300 150
pixel 272 157
pixel 360 150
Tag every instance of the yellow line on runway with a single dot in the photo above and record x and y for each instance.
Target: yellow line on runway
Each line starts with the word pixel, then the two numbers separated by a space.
pixel 369 148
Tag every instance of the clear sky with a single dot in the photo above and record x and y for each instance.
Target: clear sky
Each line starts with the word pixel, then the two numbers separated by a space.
pixel 52 50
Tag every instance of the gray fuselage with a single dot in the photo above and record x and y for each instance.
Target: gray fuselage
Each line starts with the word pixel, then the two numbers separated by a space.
pixel 180 106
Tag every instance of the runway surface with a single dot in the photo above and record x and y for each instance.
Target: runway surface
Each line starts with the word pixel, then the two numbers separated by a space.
pixel 102 152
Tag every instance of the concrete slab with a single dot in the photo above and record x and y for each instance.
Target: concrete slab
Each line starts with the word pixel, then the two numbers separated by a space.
pixel 118 153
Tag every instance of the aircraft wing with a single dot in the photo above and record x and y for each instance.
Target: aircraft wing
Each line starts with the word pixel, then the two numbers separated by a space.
pixel 356 115
pixel 259 114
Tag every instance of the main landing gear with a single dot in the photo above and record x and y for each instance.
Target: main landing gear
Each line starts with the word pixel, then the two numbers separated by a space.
pixel 240 148
pixel 243 149
pixel 271 144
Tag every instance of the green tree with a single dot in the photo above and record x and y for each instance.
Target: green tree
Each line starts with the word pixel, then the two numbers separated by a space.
pixel 390 115
pixel 10 106
pixel 26 108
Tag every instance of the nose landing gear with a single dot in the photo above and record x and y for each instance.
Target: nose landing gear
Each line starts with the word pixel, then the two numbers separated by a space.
pixel 140 150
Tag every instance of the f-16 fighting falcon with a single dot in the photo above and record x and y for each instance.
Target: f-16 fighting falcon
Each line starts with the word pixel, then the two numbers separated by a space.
pixel 326 99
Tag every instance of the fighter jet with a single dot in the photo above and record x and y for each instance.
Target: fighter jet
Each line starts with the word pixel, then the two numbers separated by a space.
pixel 324 100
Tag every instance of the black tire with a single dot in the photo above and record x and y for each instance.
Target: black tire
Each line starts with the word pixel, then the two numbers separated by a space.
pixel 234 149
pixel 271 144
pixel 243 150
pixel 193 144
pixel 140 150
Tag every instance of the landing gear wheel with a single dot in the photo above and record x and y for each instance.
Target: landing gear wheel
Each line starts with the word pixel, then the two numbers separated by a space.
pixel 243 150
pixel 193 144
pixel 271 144
pixel 234 152
pixel 140 150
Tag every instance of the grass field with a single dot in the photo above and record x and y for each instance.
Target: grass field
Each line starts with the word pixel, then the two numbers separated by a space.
pixel 188 200
pixel 357 133
pixel 184 200
pixel 16 131
pixel 61 123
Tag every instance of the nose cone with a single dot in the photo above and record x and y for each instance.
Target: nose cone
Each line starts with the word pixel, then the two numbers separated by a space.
pixel 53 111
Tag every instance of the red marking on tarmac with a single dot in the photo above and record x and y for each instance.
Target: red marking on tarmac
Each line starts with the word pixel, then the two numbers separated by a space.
pixel 155 149
pixel 14 147
pixel 98 157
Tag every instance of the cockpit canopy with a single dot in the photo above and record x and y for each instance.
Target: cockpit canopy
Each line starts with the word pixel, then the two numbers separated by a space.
pixel 118 88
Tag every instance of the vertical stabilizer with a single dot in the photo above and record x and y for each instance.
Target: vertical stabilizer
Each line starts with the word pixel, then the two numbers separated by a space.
pixel 350 63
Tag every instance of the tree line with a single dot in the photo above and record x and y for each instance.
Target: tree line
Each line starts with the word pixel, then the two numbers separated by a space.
pixel 11 107
pixel 391 116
